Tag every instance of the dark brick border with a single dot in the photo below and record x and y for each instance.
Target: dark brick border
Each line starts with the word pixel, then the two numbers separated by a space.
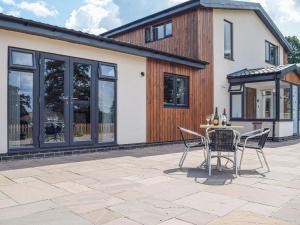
pixel 51 153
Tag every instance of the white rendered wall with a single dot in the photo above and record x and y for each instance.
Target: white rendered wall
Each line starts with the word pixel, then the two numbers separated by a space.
pixel 249 35
pixel 131 87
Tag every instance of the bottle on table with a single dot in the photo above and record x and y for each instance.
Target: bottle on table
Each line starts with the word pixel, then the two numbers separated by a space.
pixel 224 118
pixel 216 118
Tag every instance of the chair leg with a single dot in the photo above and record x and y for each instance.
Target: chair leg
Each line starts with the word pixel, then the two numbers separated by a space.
pixel 261 164
pixel 235 163
pixel 186 150
pixel 265 159
pixel 242 156
pixel 209 163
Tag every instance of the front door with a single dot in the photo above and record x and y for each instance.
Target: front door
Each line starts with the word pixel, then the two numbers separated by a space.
pixel 295 110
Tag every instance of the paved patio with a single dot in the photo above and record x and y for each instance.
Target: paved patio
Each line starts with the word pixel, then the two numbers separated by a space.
pixel 145 186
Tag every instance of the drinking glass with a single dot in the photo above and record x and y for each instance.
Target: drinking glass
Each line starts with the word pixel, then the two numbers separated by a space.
pixel 208 119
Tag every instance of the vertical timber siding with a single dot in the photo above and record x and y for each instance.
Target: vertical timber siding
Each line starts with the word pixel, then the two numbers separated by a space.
pixel 285 57
pixel 162 122
pixel 192 37
pixel 189 30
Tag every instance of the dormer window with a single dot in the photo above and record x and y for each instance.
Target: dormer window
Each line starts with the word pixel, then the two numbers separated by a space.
pixel 158 32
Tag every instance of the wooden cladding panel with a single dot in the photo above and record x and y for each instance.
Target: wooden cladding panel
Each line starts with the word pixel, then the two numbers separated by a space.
pixel 189 30
pixel 285 57
pixel 292 77
pixel 162 122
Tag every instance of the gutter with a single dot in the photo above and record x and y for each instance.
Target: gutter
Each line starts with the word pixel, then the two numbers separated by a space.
pixel 45 30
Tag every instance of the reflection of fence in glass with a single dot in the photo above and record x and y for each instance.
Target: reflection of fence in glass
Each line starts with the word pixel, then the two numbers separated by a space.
pixel 82 129
pixel 20 134
pixel 106 132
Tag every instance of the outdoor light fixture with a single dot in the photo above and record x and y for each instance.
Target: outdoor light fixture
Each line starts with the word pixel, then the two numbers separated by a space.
pixel 142 74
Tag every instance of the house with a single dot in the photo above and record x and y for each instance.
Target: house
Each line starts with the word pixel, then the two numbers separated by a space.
pixel 248 72
pixel 64 89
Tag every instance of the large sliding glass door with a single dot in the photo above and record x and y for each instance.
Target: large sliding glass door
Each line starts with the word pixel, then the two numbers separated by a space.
pixel 64 102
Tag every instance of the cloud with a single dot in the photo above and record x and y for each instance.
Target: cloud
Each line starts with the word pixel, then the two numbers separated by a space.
pixel 39 8
pixel 1 10
pixel 15 13
pixel 95 17
pixel 9 2
pixel 175 2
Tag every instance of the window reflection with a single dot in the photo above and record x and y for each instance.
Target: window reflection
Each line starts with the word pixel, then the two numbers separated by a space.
pixel 181 91
pixel 22 58
pixel 108 71
pixel 228 41
pixel 81 102
pixel 285 101
pixel 106 107
pixel 236 107
pixel 169 90
pixel 54 124
pixel 20 109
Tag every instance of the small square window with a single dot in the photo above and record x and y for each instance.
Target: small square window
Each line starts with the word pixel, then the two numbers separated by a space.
pixel 175 91
pixel 22 58
pixel 108 71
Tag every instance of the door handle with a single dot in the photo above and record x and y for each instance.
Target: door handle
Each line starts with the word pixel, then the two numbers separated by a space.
pixel 64 98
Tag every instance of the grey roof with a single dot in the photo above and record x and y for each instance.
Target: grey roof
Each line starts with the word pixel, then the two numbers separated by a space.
pixel 281 69
pixel 69 35
pixel 217 4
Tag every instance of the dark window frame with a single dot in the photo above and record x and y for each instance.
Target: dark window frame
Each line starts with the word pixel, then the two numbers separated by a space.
pixel 242 105
pixel 231 57
pixel 187 93
pixel 290 99
pixel 37 145
pixel 276 58
pixel 101 76
pixel 277 113
pixel 17 66
pixel 151 31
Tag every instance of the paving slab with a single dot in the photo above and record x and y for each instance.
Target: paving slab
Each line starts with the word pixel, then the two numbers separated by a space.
pixel 175 222
pixel 50 217
pixel 197 217
pixel 215 204
pixel 31 191
pixel 290 211
pixel 247 218
pixel 101 216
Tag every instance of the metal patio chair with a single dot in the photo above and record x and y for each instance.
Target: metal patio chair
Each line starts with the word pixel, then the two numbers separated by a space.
pixel 199 142
pixel 260 137
pixel 220 141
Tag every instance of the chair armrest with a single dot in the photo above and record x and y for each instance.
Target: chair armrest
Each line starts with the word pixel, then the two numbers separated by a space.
pixel 251 137
pixel 251 133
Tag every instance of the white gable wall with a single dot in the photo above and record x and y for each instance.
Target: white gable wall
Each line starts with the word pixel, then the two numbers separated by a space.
pixel 249 35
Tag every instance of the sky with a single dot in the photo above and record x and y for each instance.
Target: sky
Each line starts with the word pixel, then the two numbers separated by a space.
pixel 98 16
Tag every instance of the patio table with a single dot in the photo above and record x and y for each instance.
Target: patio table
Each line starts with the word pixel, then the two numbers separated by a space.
pixel 219 156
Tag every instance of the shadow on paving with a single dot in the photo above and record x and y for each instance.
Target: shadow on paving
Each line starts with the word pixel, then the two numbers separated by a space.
pixel 225 177
pixel 137 152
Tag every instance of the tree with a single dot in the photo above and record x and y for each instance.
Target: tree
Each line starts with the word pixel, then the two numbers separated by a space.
pixel 294 55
